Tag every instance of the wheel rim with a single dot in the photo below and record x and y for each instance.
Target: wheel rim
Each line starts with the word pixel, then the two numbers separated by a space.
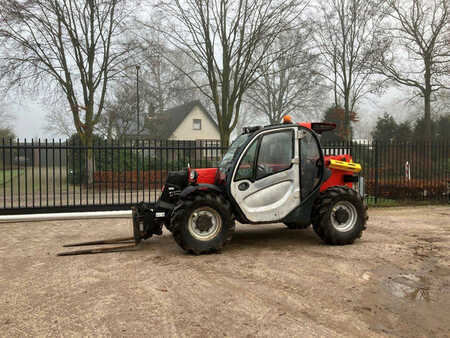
pixel 344 216
pixel 204 223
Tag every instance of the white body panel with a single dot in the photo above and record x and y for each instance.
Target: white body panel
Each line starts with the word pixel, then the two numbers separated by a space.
pixel 272 197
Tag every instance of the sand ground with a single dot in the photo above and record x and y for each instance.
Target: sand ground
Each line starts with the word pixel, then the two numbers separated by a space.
pixel 270 281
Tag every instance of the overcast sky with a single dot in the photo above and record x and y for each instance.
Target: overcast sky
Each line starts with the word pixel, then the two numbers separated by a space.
pixel 29 118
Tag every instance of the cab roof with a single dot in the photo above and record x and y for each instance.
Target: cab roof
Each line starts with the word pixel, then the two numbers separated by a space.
pixel 318 127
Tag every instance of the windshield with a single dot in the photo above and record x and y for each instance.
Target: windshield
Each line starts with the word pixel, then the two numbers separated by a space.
pixel 229 156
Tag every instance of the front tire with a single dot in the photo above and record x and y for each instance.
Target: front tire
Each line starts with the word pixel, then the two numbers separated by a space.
pixel 203 224
pixel 339 215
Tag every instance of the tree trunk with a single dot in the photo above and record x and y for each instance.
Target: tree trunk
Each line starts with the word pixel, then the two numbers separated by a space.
pixel 427 114
pixel 427 117
pixel 90 166
pixel 89 159
pixel 224 127
pixel 347 130
pixel 336 99
pixel 428 135
pixel 109 131
pixel 225 138
pixel 427 103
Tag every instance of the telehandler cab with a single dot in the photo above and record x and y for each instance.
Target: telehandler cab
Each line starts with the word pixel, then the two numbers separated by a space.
pixel 271 174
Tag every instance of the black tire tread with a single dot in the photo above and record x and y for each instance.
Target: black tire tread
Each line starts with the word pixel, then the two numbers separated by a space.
pixel 320 217
pixel 179 215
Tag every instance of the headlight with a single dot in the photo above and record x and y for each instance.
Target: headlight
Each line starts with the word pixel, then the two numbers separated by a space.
pixel 193 175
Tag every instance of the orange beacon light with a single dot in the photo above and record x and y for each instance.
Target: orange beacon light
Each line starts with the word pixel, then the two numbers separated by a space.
pixel 287 119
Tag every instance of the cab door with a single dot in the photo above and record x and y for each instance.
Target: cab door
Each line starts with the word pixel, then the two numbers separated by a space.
pixel 311 163
pixel 265 183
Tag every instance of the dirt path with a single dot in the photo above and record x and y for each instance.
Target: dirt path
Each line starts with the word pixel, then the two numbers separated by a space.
pixel 270 281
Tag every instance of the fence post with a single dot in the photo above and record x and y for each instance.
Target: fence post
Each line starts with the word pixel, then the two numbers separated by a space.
pixel 376 172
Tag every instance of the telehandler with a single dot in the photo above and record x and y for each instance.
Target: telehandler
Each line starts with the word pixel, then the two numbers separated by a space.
pixel 271 174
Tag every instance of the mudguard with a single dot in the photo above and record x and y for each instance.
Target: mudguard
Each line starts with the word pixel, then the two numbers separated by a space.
pixel 202 187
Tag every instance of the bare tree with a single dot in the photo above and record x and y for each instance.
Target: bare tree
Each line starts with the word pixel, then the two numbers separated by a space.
pixel 160 86
pixel 120 118
pixel 72 44
pixel 418 35
pixel 346 36
pixel 228 40
pixel 291 84
pixel 167 84
pixel 59 123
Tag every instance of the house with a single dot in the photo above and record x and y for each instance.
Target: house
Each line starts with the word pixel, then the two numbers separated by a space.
pixel 188 122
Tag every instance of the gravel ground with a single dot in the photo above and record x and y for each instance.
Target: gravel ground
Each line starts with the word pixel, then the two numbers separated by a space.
pixel 270 281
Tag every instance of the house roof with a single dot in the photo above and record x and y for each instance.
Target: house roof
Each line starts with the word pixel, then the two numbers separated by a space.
pixel 169 120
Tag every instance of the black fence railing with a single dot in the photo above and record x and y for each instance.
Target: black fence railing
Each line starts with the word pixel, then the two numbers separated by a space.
pixel 399 171
pixel 56 176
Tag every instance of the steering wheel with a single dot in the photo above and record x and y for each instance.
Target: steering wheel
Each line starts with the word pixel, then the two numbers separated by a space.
pixel 261 170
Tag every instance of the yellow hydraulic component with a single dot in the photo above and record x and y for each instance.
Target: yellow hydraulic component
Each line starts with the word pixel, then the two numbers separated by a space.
pixel 346 166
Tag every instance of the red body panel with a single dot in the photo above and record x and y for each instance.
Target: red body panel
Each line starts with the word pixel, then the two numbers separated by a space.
pixel 305 124
pixel 206 175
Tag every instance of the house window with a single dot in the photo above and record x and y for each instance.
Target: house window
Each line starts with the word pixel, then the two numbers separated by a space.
pixel 196 124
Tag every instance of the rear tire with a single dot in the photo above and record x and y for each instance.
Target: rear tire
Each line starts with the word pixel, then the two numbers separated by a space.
pixel 297 226
pixel 339 215
pixel 203 224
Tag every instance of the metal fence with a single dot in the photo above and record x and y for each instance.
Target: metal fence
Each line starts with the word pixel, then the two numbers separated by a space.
pixel 400 171
pixel 55 176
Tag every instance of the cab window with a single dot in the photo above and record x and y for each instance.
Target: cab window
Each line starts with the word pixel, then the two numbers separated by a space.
pixel 310 172
pixel 246 167
pixel 275 153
